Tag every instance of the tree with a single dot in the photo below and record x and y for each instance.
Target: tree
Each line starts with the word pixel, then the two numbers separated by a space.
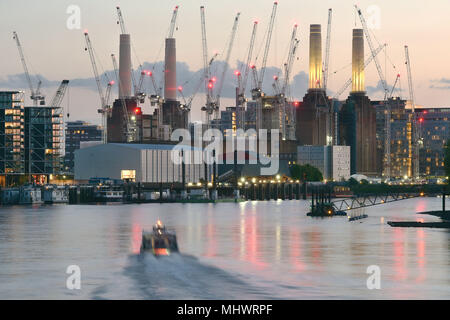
pixel 305 172
pixel 447 159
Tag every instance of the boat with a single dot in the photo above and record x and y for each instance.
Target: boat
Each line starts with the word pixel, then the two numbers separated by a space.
pixel 160 241
pixel 105 193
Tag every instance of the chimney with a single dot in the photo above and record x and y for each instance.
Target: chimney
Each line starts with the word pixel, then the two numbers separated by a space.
pixel 315 57
pixel 170 74
pixel 358 61
pixel 125 66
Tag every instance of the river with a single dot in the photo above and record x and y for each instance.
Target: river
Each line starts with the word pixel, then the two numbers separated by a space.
pixel 250 250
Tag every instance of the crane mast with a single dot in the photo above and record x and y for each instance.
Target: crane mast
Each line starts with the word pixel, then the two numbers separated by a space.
pixel 387 154
pixel 36 95
pixel 415 135
pixel 327 51
pixel 247 67
pixel 210 105
pixel 57 99
pixel 173 22
pixel 227 59
pixel 267 46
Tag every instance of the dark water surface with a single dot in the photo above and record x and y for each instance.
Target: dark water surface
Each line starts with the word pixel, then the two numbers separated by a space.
pixel 251 250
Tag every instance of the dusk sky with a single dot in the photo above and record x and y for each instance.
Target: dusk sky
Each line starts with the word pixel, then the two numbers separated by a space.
pixel 56 52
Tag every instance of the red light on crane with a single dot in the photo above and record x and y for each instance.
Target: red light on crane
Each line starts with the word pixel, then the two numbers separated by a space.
pixel 296 103
pixel 137 111
pixel 213 79
pixel 149 73
pixel 112 82
pixel 210 85
pixel 420 120
pixel 237 73
pixel 180 88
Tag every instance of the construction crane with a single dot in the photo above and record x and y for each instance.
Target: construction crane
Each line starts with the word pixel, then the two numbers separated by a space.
pixel 258 79
pixel 373 50
pixel 173 22
pixel 105 107
pixel 36 96
pixel 416 135
pixel 209 83
pixel 267 46
pixel 287 74
pixel 57 99
pixel 242 81
pixel 327 51
pixel 225 66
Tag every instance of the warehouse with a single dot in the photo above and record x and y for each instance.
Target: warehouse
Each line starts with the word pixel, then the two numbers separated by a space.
pixel 147 163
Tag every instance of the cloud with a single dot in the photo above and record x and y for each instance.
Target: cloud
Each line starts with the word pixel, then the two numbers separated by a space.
pixel 379 89
pixel 442 84
pixel 190 80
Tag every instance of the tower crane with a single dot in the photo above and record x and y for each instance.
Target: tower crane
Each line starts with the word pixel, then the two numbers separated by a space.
pixel 57 99
pixel 287 73
pixel 209 84
pixel 225 67
pixel 387 155
pixel 105 107
pixel 416 136
pixel 36 95
pixel 327 51
pixel 242 81
pixel 267 46
pixel 173 22
pixel 257 91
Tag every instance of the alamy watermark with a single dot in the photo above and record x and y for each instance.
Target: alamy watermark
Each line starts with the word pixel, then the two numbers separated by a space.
pixel 73 281
pixel 374 280
pixel 242 147
pixel 73 22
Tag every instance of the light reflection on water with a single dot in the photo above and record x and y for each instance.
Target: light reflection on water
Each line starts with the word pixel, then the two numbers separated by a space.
pixel 251 250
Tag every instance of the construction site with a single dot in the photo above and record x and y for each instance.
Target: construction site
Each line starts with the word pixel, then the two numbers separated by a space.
pixel 321 118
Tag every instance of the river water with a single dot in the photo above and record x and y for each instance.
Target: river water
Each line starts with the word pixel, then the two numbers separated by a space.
pixel 251 250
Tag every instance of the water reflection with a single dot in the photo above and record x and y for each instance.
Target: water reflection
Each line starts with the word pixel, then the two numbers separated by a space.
pixel 267 246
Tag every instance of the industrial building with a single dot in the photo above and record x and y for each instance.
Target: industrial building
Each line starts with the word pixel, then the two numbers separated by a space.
pixel 358 116
pixel 146 163
pixel 332 161
pixel 314 119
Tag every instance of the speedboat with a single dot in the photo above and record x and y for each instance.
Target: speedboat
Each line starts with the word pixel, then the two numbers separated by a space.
pixel 160 241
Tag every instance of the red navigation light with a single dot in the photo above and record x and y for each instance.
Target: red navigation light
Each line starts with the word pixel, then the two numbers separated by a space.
pixel 210 85
pixel 180 88
pixel 256 21
pixel 149 73
pixel 112 82
pixel 275 78
pixel 213 79
pixel 137 110
pixel 237 73
pixel 420 120
pixel 85 31
pixel 252 66
pixel 296 103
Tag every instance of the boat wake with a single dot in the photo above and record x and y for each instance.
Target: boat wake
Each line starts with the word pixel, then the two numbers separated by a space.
pixel 181 276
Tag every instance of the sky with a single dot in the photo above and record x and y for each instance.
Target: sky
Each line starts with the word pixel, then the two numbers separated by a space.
pixel 57 52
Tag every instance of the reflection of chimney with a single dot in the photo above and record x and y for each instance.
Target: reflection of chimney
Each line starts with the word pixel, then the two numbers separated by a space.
pixel 315 57
pixel 170 75
pixel 124 66
pixel 358 61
